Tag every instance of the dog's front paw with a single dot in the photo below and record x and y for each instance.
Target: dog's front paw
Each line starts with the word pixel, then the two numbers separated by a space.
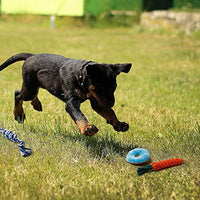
pixel 90 130
pixel 121 126
pixel 85 128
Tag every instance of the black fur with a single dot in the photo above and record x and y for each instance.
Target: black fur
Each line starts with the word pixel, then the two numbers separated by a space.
pixel 72 81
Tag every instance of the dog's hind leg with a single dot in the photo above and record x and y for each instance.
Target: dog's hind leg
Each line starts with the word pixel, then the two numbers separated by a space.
pixel 18 109
pixel 27 93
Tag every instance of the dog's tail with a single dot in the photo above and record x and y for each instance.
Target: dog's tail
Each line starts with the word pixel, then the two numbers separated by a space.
pixel 15 58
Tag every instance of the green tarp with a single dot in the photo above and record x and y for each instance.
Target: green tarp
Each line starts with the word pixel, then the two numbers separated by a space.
pixel 96 7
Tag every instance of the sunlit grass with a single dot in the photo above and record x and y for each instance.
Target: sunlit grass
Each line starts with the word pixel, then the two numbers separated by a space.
pixel 159 99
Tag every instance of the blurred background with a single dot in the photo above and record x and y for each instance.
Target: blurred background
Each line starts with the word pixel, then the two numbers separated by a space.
pixel 170 14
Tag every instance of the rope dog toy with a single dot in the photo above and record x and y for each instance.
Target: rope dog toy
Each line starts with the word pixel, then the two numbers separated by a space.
pixel 137 156
pixel 21 144
pixel 159 165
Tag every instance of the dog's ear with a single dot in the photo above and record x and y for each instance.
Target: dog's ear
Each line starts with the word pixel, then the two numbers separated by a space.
pixel 118 68
pixel 93 69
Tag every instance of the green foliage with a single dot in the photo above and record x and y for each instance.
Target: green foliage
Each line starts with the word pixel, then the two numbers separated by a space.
pixel 96 8
pixel 186 4
pixel 159 99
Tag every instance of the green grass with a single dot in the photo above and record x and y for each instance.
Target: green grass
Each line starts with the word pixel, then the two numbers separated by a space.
pixel 159 98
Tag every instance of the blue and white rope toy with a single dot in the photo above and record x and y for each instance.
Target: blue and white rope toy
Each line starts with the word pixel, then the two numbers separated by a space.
pixel 21 144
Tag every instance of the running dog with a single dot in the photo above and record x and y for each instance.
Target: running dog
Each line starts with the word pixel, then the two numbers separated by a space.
pixel 72 81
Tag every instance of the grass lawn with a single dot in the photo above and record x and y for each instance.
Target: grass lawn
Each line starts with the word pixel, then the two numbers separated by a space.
pixel 159 98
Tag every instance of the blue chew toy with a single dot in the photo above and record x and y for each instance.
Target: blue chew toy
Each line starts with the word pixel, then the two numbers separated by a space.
pixel 21 144
pixel 137 156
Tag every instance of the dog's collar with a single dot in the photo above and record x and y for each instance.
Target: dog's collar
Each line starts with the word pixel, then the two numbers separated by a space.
pixel 80 77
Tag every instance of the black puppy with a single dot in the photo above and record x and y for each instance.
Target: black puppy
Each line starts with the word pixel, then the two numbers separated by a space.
pixel 72 81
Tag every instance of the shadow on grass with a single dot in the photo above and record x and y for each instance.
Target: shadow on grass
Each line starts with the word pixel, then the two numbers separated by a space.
pixel 102 146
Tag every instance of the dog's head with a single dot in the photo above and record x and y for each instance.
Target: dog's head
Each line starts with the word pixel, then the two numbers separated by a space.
pixel 103 81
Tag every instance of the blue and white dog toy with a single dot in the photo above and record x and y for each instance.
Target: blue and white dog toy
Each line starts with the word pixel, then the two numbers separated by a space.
pixel 21 144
